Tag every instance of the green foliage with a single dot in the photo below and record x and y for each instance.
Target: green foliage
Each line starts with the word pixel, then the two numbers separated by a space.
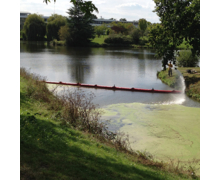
pixel 64 32
pixel 54 24
pixel 194 91
pixel 80 30
pixel 135 35
pixel 99 40
pixel 179 19
pixel 169 80
pixel 123 19
pixel 123 28
pixel 22 35
pixel 52 149
pixel 163 43
pixel 118 39
pixel 34 28
pixel 100 30
pixel 142 23
pixel 186 59
pixel 107 31
pixel 87 7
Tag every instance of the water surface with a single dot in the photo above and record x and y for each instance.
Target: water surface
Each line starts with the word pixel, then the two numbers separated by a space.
pixel 122 67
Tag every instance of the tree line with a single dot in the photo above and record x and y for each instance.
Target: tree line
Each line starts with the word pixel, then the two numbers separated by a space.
pixel 179 22
pixel 76 28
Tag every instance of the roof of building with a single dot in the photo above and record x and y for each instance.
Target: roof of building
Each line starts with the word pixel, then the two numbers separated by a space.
pixel 25 12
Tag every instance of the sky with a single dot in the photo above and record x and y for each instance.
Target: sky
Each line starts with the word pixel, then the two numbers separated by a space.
pixel 131 10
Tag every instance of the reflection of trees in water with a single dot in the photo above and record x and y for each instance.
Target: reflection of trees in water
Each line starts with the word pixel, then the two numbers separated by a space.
pixel 141 66
pixel 32 46
pixel 80 66
pixel 78 72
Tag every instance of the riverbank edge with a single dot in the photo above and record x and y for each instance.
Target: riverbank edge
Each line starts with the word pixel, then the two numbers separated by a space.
pixel 36 116
pixel 103 45
pixel 192 81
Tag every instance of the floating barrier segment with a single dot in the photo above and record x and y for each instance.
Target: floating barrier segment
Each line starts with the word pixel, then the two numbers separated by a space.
pixel 114 87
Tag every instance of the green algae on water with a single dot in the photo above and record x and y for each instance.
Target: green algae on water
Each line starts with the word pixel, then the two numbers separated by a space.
pixel 166 131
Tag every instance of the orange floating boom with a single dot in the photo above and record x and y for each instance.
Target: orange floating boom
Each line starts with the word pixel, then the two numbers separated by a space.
pixel 114 87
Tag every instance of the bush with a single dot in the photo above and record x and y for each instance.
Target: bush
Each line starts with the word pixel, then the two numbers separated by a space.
pixel 186 59
pixel 118 39
pixel 135 35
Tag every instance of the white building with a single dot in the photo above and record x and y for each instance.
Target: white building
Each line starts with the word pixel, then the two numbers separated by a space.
pixel 99 22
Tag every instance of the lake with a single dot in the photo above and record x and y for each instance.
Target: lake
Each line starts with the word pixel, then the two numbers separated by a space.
pixel 166 125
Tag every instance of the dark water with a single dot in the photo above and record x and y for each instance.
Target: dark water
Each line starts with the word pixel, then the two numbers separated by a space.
pixel 122 67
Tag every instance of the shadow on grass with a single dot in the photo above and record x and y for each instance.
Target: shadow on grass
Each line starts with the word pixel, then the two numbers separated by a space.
pixel 49 151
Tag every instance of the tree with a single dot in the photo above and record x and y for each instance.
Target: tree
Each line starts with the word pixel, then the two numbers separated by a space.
pixel 100 30
pixel 80 30
pixel 64 32
pixel 118 28
pixel 87 7
pixel 112 19
pixel 122 19
pixel 34 28
pixel 180 19
pixel 93 16
pixel 135 35
pixel 142 23
pixel 121 27
pixel 186 59
pixel 161 40
pixel 54 24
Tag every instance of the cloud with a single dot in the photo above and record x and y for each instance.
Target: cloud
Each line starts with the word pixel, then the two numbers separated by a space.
pixel 131 10
pixel 98 2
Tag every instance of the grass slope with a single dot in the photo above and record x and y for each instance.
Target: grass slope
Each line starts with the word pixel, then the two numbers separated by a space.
pixel 52 150
pixel 169 80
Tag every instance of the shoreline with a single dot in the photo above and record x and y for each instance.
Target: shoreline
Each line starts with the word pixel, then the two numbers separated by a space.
pixel 191 80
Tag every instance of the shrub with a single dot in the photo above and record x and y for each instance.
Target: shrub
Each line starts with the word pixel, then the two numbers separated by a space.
pixel 186 59
pixel 118 39
pixel 135 35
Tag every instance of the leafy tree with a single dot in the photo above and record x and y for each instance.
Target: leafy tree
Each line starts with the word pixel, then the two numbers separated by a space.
pixel 120 27
pixel 161 40
pixel 100 30
pixel 142 23
pixel 93 16
pixel 135 35
pixel 80 30
pixel 87 7
pixel 179 19
pixel 122 19
pixel 64 32
pixel 54 23
pixel 186 59
pixel 112 19
pixel 34 28
pixel 107 31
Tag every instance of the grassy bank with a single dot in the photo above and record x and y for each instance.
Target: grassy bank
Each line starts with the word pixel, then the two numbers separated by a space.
pixel 60 141
pixel 192 81
pixel 169 80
